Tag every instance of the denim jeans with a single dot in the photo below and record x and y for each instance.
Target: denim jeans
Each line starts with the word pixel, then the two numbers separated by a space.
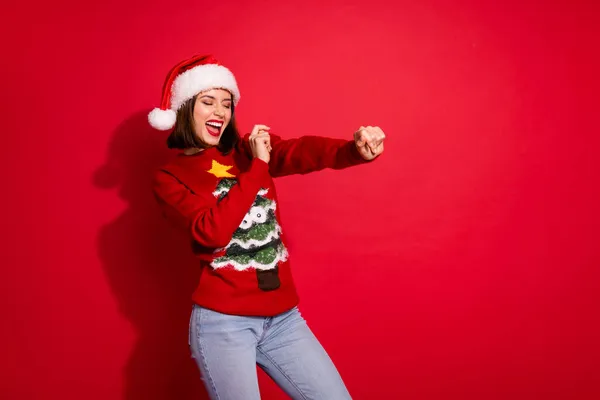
pixel 227 349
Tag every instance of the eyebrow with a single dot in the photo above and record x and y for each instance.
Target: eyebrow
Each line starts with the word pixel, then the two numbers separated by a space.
pixel 212 97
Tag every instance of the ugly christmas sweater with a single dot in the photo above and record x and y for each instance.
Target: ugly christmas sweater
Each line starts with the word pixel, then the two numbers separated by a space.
pixel 228 204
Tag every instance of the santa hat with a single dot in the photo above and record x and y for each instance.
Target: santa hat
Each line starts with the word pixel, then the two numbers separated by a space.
pixel 187 79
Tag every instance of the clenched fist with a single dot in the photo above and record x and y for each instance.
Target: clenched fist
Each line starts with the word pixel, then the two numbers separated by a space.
pixel 260 142
pixel 369 141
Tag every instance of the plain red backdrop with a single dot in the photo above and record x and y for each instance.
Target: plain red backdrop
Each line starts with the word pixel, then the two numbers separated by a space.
pixel 463 264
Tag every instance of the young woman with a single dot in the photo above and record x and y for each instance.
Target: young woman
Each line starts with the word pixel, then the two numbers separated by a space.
pixel 220 189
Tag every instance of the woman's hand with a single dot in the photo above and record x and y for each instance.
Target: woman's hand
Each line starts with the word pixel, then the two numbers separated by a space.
pixel 260 142
pixel 369 141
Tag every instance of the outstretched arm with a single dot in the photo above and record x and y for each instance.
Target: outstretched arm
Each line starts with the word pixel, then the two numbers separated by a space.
pixel 313 153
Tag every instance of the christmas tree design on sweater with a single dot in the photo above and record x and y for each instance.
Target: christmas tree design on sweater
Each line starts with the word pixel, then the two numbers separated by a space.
pixel 256 244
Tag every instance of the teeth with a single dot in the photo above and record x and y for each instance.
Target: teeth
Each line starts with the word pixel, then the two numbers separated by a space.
pixel 215 124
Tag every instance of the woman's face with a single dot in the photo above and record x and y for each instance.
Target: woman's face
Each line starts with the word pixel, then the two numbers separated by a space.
pixel 212 113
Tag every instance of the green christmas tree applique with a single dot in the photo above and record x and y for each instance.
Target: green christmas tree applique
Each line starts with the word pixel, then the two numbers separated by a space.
pixel 256 243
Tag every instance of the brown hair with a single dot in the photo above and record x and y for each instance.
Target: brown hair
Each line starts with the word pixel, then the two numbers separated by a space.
pixel 184 136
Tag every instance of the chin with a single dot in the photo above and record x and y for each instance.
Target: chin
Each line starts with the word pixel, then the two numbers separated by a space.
pixel 211 140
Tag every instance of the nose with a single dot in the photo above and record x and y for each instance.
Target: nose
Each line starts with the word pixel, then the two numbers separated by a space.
pixel 220 111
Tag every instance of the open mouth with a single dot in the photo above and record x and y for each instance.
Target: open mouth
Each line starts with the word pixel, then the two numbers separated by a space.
pixel 214 127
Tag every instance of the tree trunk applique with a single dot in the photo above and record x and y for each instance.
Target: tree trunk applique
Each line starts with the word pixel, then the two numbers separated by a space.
pixel 256 243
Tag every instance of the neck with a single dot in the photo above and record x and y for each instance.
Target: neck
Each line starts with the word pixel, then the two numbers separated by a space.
pixel 191 151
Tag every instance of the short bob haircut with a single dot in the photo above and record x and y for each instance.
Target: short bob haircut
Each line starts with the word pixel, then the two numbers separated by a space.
pixel 184 136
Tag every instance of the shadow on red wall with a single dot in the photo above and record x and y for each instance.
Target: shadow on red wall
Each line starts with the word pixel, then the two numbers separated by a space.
pixel 149 267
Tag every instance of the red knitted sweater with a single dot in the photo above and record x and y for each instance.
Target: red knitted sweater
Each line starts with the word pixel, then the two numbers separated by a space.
pixel 228 204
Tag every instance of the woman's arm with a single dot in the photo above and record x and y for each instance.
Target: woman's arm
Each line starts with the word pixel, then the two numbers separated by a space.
pixel 314 153
pixel 210 222
pixel 311 153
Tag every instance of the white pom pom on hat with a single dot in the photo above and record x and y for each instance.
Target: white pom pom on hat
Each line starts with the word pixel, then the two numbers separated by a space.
pixel 187 79
pixel 162 119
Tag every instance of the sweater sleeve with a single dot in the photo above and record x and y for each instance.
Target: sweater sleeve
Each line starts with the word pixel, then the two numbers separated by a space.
pixel 210 222
pixel 310 153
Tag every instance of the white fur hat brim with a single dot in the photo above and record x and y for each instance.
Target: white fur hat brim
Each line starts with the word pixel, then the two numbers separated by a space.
pixel 200 79
pixel 188 84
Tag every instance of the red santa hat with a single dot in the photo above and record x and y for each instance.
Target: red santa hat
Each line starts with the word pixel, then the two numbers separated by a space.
pixel 184 81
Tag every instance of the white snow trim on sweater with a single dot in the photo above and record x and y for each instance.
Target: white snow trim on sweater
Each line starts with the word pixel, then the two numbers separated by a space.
pixel 275 234
pixel 257 215
pixel 282 256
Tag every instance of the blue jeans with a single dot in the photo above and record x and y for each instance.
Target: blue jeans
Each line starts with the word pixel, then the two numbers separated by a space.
pixel 227 349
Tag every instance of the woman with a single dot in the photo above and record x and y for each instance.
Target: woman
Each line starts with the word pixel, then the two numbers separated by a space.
pixel 220 189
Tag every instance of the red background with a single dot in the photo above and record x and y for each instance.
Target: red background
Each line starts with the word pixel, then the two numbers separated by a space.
pixel 463 264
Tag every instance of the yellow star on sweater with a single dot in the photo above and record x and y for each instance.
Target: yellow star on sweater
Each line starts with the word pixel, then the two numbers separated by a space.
pixel 220 170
